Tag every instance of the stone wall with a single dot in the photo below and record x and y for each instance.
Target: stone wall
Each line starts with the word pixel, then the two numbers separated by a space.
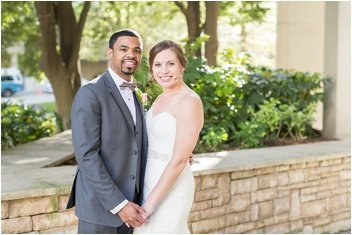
pixel 304 196
pixel 45 214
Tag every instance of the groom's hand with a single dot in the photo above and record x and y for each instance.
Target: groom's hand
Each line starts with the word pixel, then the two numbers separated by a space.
pixel 132 214
pixel 191 159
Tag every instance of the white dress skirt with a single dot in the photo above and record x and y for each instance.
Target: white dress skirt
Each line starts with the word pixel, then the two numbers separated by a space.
pixel 171 215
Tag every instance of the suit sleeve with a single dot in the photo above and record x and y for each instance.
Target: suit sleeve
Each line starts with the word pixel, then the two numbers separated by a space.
pixel 86 128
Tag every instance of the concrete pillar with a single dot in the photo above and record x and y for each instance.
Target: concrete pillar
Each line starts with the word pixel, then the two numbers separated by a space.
pixel 300 36
pixel 337 64
pixel 316 37
pixel 300 41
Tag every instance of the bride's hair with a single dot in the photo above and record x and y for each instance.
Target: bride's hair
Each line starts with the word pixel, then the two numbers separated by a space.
pixel 163 45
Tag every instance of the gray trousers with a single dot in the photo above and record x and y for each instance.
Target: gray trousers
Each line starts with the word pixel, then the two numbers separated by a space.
pixel 89 228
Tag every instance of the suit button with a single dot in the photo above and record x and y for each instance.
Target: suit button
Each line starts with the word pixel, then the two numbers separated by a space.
pixel 135 152
pixel 136 132
pixel 132 177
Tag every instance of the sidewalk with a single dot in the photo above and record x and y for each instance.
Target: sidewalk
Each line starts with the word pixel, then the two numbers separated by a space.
pixel 26 171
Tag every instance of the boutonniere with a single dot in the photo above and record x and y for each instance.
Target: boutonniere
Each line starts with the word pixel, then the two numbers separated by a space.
pixel 142 96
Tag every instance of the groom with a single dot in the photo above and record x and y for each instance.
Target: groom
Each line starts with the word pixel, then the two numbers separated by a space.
pixel 110 143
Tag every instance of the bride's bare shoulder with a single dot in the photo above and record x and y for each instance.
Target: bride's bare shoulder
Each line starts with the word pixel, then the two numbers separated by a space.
pixel 190 102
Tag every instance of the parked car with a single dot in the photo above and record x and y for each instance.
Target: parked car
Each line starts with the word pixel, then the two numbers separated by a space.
pixel 47 88
pixel 12 81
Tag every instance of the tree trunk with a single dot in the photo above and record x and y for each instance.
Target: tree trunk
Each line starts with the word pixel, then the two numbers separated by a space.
pixel 61 65
pixel 64 94
pixel 193 23
pixel 243 38
pixel 192 14
pixel 211 23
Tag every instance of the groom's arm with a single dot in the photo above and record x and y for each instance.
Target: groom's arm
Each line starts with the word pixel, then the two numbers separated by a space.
pixel 86 119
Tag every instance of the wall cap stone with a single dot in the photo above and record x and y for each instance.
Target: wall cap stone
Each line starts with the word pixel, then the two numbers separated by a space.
pixel 230 161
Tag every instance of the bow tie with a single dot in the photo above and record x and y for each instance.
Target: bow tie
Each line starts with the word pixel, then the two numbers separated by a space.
pixel 131 85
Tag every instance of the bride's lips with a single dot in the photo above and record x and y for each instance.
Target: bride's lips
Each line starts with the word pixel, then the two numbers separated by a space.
pixel 165 78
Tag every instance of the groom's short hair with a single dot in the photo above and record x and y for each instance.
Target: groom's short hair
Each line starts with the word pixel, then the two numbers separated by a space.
pixel 121 33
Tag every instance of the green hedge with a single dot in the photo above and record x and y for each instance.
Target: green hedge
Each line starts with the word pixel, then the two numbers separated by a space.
pixel 24 123
pixel 247 106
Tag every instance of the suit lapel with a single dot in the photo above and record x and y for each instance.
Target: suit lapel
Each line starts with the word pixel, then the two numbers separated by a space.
pixel 119 100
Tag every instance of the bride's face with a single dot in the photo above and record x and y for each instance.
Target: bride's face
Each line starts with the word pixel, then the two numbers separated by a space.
pixel 167 69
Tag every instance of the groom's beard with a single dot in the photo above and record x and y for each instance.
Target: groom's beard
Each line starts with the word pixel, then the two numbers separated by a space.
pixel 128 70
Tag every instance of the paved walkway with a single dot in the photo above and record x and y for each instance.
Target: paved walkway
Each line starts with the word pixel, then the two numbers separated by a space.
pixel 26 171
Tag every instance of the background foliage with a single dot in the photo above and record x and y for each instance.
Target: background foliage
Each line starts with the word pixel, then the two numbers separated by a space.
pixel 248 106
pixel 245 105
pixel 21 124
pixel 19 27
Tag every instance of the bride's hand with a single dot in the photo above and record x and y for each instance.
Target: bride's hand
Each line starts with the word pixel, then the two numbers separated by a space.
pixel 148 208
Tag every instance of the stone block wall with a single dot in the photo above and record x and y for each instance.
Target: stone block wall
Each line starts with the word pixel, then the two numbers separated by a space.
pixel 304 197
pixel 43 214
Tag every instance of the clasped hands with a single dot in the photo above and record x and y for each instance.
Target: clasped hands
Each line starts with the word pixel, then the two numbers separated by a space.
pixel 134 215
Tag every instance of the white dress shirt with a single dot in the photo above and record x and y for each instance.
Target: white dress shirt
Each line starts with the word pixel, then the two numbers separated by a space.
pixel 127 96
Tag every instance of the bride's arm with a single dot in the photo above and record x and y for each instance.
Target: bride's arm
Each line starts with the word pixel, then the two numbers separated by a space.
pixel 188 126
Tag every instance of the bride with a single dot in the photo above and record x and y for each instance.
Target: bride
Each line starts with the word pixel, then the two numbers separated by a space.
pixel 173 124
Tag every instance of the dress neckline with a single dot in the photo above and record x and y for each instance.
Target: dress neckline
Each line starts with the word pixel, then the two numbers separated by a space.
pixel 161 113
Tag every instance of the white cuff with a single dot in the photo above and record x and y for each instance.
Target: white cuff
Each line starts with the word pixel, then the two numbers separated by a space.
pixel 119 207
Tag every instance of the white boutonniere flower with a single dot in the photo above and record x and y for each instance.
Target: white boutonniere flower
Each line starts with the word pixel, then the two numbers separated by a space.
pixel 142 96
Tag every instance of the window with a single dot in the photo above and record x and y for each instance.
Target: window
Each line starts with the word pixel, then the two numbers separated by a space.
pixel 6 78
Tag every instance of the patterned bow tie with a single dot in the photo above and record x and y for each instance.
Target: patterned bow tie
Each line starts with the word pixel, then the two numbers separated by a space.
pixel 131 85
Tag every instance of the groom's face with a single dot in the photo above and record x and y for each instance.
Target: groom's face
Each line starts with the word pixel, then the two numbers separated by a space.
pixel 125 56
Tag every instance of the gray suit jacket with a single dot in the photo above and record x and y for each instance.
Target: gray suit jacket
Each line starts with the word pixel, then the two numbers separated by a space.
pixel 110 150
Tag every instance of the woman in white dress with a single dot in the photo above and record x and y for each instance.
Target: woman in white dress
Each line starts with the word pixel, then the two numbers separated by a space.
pixel 173 123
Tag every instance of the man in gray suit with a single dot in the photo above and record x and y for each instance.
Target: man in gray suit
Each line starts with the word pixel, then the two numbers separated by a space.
pixel 110 143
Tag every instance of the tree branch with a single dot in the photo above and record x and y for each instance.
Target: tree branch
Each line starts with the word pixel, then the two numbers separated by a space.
pixel 67 25
pixel 78 35
pixel 181 6
pixel 49 58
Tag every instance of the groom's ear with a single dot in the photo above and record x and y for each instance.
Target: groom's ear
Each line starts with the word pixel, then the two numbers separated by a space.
pixel 109 52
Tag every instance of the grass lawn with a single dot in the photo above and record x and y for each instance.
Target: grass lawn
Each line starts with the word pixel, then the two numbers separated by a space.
pixel 50 106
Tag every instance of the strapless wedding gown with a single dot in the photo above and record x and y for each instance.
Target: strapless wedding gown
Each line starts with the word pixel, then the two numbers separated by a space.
pixel 171 214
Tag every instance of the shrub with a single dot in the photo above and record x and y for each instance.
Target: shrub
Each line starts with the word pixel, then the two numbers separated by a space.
pixel 274 120
pixel 248 105
pixel 23 123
